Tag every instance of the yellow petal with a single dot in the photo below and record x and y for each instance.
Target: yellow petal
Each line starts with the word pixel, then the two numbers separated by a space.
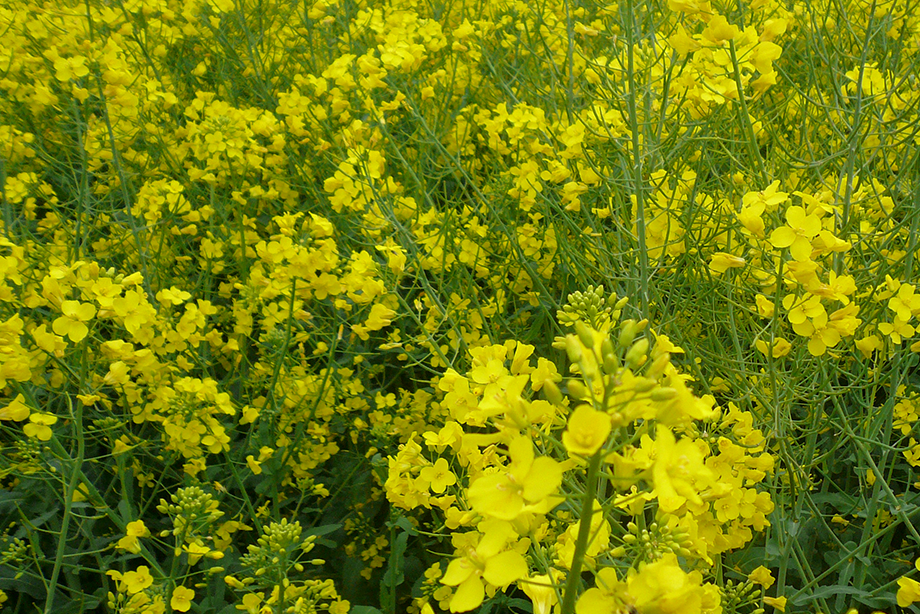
pixel 468 596
pixel 505 568
pixel 458 572
pixel 544 478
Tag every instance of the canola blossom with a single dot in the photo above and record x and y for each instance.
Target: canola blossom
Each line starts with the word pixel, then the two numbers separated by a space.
pixel 390 306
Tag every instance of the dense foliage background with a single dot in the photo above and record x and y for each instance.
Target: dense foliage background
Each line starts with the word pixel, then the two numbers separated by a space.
pixel 505 306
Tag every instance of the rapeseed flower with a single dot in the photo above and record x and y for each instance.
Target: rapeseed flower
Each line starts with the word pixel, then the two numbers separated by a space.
pixel 798 232
pixel 527 484
pixel 181 600
pixel 587 431
pixel 484 560
pixel 133 531
pixel 678 474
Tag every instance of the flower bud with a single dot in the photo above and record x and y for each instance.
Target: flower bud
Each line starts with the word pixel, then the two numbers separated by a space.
pixel 573 348
pixel 577 389
pixel 635 357
pixel 584 334
pixel 552 392
pixel 658 365
pixel 611 363
pixel 663 394
pixel 628 333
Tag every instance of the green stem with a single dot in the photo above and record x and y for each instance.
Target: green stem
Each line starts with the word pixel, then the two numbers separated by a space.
pixel 72 484
pixel 584 534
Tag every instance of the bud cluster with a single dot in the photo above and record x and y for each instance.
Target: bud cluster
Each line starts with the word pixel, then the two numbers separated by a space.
pixel 274 554
pixel 740 597
pixel 657 540
pixel 591 307
pixel 193 511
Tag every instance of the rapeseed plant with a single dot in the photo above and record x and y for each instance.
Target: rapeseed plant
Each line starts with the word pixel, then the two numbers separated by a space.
pixel 291 270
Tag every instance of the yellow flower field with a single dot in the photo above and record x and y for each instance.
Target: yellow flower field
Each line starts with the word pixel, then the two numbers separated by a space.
pixel 568 306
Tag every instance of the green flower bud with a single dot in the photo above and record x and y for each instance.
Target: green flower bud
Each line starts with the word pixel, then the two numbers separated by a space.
pixel 628 333
pixel 577 389
pixel 636 354
pixel 573 348
pixel 552 392
pixel 663 394
pixel 584 334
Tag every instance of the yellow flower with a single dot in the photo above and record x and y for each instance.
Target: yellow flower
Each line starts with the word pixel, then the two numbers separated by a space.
pixel 483 559
pixel 541 592
pixel 678 473
pixel 909 591
pixel 608 595
pixel 39 426
pixel 196 550
pixel 780 347
pixel 682 42
pixel 528 483
pixel 71 324
pixel 133 531
pixel 587 431
pixel 438 476
pixel 778 603
pixel 868 345
pixel 17 410
pixel 181 599
pixel 798 232
pixel 663 587
pixel 136 581
pixel 252 602
pixel 762 576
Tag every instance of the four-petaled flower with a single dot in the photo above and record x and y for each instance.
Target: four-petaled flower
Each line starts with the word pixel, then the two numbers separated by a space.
pixel 71 324
pixel 182 599
pixel 798 232
pixel 483 558
pixel 527 484
pixel 587 431
pixel 438 476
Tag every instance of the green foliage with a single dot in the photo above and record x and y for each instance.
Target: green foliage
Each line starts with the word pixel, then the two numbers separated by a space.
pixel 285 288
